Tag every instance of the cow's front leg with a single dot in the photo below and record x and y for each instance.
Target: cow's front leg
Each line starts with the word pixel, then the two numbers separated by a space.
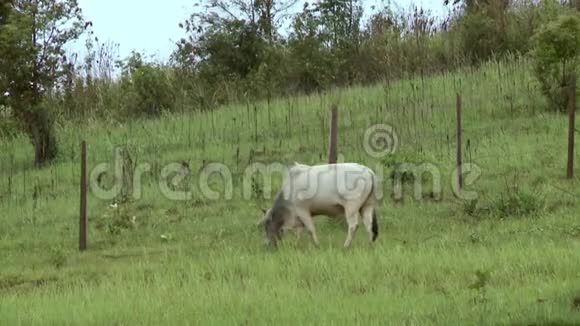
pixel 306 219
pixel 298 232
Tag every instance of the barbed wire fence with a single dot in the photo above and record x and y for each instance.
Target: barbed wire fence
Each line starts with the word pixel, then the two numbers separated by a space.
pixel 422 115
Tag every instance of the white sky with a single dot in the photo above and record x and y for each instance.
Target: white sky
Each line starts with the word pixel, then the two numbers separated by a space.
pixel 151 26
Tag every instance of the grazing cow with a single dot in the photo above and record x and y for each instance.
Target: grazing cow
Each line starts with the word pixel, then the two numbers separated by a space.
pixel 344 189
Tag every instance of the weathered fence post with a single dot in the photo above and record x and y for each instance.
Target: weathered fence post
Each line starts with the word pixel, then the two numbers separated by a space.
pixel 83 212
pixel 332 151
pixel 571 126
pixel 459 174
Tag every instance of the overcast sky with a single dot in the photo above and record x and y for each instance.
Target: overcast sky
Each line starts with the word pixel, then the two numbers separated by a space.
pixel 151 26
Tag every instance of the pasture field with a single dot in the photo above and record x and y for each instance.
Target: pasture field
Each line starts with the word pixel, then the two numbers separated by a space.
pixel 511 257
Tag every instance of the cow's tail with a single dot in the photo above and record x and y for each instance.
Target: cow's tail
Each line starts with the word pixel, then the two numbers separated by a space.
pixel 375 227
pixel 373 200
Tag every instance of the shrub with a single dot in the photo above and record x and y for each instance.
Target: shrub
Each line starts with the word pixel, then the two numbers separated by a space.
pixel 513 202
pixel 525 19
pixel 516 202
pixel 470 208
pixel 479 36
pixel 148 88
pixel 121 219
pixel 557 57
pixel 154 91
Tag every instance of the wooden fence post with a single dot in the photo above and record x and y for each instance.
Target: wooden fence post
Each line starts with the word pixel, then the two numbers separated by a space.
pixel 332 150
pixel 83 212
pixel 571 126
pixel 458 122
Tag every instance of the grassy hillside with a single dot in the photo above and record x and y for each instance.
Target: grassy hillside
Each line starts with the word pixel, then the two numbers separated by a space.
pixel 511 257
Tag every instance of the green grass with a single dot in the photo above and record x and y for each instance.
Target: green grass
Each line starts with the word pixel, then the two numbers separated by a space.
pixel 512 257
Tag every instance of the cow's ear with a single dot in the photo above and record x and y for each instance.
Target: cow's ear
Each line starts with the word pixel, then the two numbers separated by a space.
pixel 260 223
pixel 262 219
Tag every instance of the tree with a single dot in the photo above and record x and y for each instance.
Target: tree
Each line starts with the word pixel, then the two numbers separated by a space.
pixel 233 22
pixel 265 15
pixel 340 20
pixel 312 62
pixel 557 58
pixel 149 84
pixel 231 42
pixel 32 62
pixel 325 42
pixel 482 26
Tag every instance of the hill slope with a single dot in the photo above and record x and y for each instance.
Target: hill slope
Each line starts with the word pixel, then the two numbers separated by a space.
pixel 511 257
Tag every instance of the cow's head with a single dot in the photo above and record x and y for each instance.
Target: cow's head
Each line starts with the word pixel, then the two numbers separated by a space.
pixel 272 221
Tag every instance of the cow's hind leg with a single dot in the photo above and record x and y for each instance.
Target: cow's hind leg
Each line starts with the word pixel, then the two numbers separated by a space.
pixel 352 216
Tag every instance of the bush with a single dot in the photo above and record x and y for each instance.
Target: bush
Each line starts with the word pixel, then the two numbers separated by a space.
pixel 518 203
pixel 525 19
pixel 154 91
pixel 480 37
pixel 470 207
pixel 116 222
pixel 513 202
pixel 557 57
pixel 148 88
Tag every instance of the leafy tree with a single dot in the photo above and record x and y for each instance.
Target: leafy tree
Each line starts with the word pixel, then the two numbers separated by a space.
pixel 149 87
pixel 312 62
pixel 557 58
pixel 231 49
pixel 32 61
pixel 382 46
pixel 325 42
pixel 482 26
pixel 478 34
pixel 340 22
pixel 225 31
pixel 265 15
pixel 232 45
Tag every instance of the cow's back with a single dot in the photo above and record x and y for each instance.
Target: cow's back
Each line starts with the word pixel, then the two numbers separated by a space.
pixel 322 187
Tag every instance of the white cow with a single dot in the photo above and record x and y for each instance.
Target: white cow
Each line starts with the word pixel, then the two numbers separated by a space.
pixel 343 189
